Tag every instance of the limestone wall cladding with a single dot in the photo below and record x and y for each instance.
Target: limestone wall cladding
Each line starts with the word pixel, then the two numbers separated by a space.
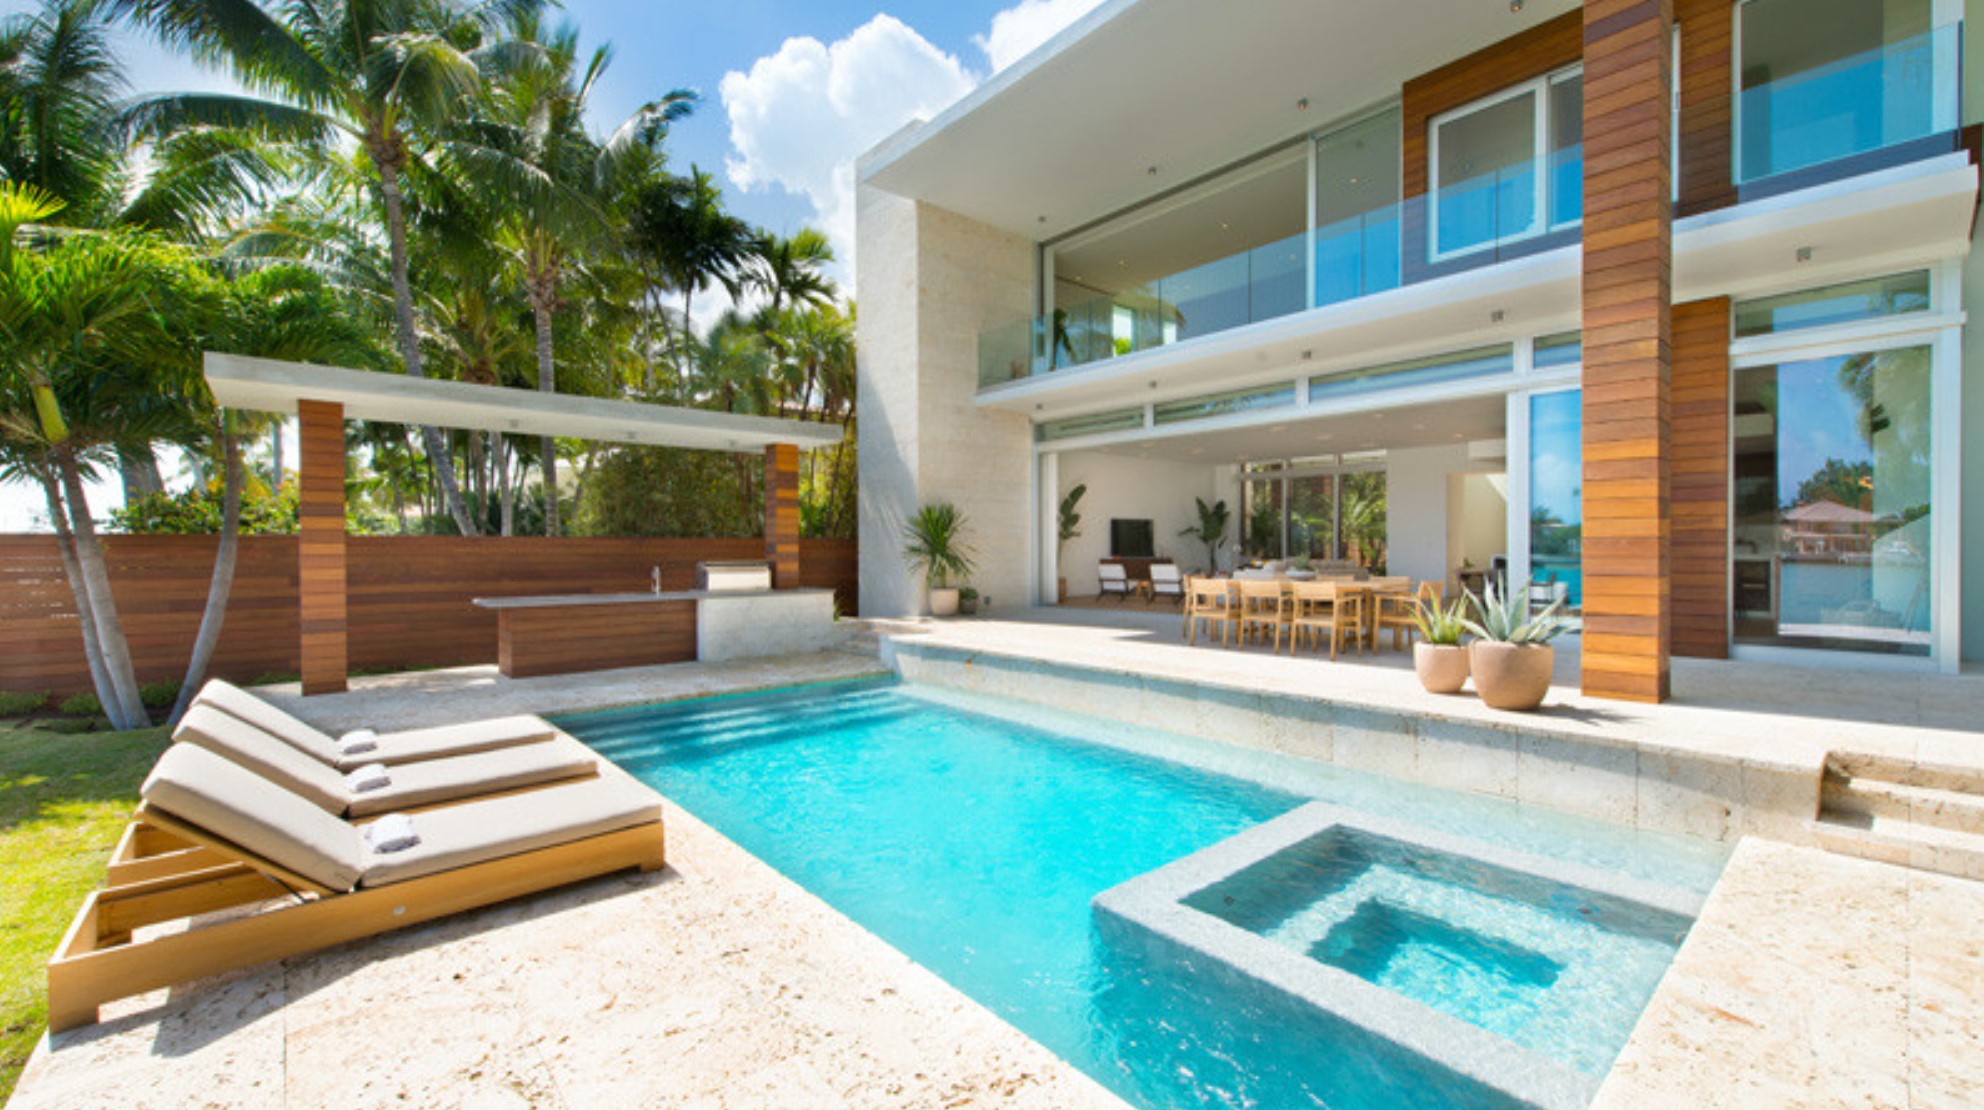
pixel 930 282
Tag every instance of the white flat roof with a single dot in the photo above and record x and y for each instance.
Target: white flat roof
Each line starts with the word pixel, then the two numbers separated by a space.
pixel 1074 130
pixel 272 385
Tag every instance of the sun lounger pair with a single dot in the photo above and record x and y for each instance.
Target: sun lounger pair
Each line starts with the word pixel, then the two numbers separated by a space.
pixel 283 872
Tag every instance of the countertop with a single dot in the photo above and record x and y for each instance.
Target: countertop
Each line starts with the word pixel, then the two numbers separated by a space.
pixel 638 598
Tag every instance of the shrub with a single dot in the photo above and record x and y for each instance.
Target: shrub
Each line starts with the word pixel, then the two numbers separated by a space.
pixel 158 695
pixel 82 705
pixel 20 705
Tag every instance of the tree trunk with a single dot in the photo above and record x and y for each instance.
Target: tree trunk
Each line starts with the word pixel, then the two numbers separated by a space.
pixel 223 580
pixel 506 490
pixel 125 708
pixel 543 298
pixel 65 542
pixel 139 471
pixel 275 467
pixel 437 448
pixel 688 345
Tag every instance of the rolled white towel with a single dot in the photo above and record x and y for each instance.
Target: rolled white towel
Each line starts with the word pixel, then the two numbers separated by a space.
pixel 358 741
pixel 392 833
pixel 372 776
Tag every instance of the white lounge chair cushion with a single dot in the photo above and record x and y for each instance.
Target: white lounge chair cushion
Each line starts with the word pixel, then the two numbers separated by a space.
pixel 462 778
pixel 228 801
pixel 241 742
pixel 460 836
pixel 391 748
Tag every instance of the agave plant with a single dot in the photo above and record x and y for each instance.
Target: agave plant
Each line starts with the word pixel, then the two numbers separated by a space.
pixel 1440 624
pixel 1505 619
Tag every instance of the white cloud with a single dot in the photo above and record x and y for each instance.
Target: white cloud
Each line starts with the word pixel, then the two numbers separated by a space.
pixel 1016 31
pixel 800 117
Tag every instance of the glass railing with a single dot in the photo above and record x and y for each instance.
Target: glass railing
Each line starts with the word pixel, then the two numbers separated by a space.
pixel 1907 90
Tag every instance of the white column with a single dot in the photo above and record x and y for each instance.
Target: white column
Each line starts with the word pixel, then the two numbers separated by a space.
pixel 1517 422
pixel 1047 515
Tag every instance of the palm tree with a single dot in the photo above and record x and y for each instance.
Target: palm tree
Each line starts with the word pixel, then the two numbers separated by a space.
pixel 788 270
pixel 679 222
pixel 89 362
pixel 59 86
pixel 388 75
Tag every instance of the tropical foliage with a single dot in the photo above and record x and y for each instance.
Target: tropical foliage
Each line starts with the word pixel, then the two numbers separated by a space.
pixel 404 186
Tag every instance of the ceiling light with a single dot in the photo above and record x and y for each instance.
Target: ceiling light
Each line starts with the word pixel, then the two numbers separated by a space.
pixel 1302 105
pixel 1804 254
pixel 1224 226
pixel 1497 316
pixel 1152 171
pixel 1515 5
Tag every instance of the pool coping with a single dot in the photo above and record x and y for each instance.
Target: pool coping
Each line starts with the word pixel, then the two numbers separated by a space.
pixel 1154 903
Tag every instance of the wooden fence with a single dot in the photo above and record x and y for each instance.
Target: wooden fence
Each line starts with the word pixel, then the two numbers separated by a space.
pixel 408 596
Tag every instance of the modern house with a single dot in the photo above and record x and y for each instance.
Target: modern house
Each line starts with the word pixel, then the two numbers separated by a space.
pixel 1661 302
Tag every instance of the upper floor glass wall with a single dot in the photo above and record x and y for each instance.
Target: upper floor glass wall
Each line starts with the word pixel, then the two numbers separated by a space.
pixel 1823 80
pixel 1509 167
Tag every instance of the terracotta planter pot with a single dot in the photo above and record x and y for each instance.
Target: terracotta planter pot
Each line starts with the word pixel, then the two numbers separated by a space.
pixel 1511 676
pixel 943 603
pixel 1442 668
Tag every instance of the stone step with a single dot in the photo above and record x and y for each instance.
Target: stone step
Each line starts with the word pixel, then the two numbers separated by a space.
pixel 1959 810
pixel 1902 842
pixel 1905 771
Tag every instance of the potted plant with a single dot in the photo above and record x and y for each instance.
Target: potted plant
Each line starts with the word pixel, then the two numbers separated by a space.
pixel 968 601
pixel 1511 659
pixel 1210 530
pixel 933 545
pixel 1439 658
pixel 1071 526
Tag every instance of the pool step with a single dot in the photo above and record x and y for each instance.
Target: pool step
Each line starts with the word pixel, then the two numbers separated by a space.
pixel 1900 811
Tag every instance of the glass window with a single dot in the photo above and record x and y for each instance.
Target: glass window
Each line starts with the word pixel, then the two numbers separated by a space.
pixel 1420 371
pixel 1225 404
pixel 1089 425
pixel 1831 545
pixel 1357 191
pixel 1485 174
pixel 1834 304
pixel 1339 515
pixel 1567 149
pixel 1827 79
pixel 1556 493
pixel 1260 518
pixel 1562 349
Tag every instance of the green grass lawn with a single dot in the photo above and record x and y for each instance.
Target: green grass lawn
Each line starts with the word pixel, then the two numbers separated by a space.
pixel 64 798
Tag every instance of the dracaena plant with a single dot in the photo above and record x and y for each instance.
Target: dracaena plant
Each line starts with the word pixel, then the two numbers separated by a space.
pixel 1505 619
pixel 1441 624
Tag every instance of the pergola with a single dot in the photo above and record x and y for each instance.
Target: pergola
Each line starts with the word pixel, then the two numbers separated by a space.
pixel 324 397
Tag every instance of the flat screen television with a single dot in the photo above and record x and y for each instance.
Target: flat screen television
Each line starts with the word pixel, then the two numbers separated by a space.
pixel 1131 539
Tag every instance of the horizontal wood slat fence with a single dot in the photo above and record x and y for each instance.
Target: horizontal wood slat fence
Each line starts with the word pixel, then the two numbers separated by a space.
pixel 408 597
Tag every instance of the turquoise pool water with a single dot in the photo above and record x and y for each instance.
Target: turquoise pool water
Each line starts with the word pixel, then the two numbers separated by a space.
pixel 972 834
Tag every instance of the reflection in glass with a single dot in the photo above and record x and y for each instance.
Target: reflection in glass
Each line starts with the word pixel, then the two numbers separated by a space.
pixel 1834 304
pixel 1338 515
pixel 1831 545
pixel 1567 150
pixel 1485 175
pixel 1357 192
pixel 1556 493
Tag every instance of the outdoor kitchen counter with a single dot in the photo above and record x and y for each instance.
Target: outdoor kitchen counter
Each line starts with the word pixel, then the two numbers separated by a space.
pixel 569 633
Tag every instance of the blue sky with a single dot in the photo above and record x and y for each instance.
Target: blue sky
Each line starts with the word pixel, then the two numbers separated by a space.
pixel 793 91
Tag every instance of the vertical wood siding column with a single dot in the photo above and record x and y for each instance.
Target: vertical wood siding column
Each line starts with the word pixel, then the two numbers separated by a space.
pixel 1628 248
pixel 782 514
pixel 320 578
pixel 1699 492
pixel 1708 104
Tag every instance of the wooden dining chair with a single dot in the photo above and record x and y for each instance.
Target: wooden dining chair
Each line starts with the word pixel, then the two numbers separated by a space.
pixel 1398 612
pixel 1331 609
pixel 1264 610
pixel 1208 606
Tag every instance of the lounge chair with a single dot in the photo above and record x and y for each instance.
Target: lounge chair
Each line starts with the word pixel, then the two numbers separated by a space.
pixel 371 791
pixel 1166 581
pixel 1112 579
pixel 356 749
pixel 213 836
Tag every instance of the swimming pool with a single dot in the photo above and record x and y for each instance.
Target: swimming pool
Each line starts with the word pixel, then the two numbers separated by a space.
pixel 972 834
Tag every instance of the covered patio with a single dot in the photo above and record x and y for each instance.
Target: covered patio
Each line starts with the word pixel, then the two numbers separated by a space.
pixel 323 398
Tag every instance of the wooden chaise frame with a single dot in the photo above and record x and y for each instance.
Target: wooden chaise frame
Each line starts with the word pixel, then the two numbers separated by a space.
pixel 166 870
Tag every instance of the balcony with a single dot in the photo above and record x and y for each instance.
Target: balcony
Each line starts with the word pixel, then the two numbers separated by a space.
pixel 1513 189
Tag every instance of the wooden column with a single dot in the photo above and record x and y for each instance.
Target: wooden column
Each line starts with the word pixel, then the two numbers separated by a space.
pixel 320 579
pixel 1699 489
pixel 782 514
pixel 1628 247
pixel 1708 104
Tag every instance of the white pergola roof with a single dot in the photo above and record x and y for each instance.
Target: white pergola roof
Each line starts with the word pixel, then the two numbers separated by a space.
pixel 272 385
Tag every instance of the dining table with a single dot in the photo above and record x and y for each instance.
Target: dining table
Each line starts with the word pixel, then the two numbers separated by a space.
pixel 1375 588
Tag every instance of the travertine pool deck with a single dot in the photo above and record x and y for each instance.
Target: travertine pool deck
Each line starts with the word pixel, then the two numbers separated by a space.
pixel 713 983
pixel 1815 980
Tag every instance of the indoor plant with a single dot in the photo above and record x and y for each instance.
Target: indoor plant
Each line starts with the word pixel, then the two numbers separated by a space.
pixel 968 601
pixel 933 543
pixel 1439 658
pixel 1511 659
pixel 1210 530
pixel 1070 527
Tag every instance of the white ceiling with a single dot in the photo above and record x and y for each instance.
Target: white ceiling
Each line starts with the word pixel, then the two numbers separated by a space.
pixel 1186 86
pixel 1428 425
